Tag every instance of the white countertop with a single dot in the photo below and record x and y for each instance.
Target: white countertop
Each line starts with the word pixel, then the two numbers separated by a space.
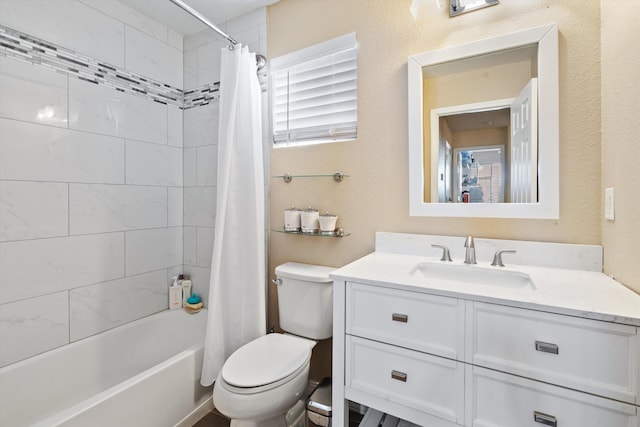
pixel 586 294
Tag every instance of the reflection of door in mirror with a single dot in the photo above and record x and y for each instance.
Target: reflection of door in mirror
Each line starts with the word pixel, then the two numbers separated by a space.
pixel 445 163
pixel 509 124
pixel 480 174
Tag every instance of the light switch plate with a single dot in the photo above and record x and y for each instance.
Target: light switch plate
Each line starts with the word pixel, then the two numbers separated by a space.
pixel 609 204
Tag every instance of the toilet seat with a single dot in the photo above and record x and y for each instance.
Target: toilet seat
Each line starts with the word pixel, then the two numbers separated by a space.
pixel 266 363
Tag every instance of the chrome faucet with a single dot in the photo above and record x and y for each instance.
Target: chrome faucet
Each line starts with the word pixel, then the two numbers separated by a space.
pixel 497 258
pixel 470 254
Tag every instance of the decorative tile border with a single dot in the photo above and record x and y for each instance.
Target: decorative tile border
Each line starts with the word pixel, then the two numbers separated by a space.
pixel 18 45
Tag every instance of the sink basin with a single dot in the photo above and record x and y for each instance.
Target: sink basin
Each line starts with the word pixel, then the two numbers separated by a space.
pixel 492 276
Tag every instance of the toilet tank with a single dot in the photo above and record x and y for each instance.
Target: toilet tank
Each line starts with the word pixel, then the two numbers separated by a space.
pixel 305 299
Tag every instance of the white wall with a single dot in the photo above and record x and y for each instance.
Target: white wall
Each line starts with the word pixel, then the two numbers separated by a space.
pixel 91 188
pixel 202 67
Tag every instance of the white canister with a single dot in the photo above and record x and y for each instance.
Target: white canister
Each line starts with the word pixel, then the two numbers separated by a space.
pixel 292 219
pixel 327 223
pixel 309 219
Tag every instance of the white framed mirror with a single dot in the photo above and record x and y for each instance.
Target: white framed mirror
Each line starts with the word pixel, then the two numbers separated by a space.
pixel 450 85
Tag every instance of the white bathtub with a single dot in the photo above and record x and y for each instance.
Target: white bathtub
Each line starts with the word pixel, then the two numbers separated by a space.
pixel 145 373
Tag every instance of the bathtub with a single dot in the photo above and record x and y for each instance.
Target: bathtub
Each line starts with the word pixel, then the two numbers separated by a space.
pixel 144 373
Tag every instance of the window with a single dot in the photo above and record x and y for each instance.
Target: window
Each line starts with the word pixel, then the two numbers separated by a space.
pixel 314 94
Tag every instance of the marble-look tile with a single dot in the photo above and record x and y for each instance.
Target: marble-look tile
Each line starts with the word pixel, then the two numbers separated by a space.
pixel 70 24
pixel 131 17
pixel 174 126
pixel 207 165
pixel 44 153
pixel 174 271
pixel 201 278
pixel 208 60
pixel 201 125
pixel 149 250
pixel 103 306
pixel 175 207
pixel 200 206
pixel 32 93
pixel 250 37
pixel 175 39
pixel 103 110
pixel 190 167
pixel 99 208
pixel 205 238
pixel 202 37
pixel 33 326
pixel 31 268
pixel 190 245
pixel 30 210
pixel 247 21
pixel 153 164
pixel 190 69
pixel 149 57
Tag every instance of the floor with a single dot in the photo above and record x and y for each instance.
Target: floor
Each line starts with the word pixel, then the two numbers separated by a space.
pixel 215 419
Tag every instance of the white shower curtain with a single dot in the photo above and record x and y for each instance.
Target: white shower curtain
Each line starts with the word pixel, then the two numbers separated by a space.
pixel 237 286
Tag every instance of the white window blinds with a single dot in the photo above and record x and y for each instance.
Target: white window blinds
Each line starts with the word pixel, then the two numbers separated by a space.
pixel 314 93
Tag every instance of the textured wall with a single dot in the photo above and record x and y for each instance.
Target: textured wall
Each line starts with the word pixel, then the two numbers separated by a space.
pixel 375 197
pixel 620 130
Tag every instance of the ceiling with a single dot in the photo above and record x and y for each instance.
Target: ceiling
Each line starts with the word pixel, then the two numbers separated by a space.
pixel 216 11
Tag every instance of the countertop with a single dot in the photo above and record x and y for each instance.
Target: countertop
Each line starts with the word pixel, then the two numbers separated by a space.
pixel 585 294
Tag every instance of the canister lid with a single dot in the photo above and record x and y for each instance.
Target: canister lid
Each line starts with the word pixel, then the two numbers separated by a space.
pixel 328 215
pixel 293 208
pixel 310 210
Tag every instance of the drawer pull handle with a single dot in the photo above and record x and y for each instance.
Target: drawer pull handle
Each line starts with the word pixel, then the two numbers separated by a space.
pixel 547 347
pixel 397 317
pixel 548 420
pixel 400 376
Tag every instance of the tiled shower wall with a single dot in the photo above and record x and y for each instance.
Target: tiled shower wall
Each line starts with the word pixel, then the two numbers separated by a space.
pixel 91 179
pixel 202 67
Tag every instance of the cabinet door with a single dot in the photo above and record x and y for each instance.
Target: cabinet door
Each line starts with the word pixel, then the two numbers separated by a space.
pixel 429 384
pixel 587 355
pixel 496 399
pixel 428 323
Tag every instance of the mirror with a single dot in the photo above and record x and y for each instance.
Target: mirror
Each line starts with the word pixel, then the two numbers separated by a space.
pixel 467 102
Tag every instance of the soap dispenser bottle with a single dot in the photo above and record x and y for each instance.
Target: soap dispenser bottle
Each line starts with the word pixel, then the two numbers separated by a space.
pixel 175 294
pixel 186 291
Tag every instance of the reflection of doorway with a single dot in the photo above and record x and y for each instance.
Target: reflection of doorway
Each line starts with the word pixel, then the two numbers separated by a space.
pixel 480 174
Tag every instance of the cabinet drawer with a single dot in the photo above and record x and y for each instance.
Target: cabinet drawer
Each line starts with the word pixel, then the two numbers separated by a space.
pixel 587 355
pixel 502 400
pixel 428 323
pixel 430 384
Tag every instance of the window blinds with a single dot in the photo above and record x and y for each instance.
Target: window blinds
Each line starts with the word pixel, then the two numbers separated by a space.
pixel 314 93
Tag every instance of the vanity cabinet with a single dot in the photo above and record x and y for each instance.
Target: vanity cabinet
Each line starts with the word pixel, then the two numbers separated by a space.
pixel 440 361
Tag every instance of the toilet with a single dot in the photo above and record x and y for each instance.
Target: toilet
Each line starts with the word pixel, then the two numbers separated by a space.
pixel 264 379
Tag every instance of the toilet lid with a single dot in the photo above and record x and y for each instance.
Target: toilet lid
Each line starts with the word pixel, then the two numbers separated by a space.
pixel 265 360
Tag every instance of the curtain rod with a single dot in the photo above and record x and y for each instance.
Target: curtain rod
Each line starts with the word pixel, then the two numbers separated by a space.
pixel 191 11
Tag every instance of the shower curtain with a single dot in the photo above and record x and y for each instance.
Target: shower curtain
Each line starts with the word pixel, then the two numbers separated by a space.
pixel 236 312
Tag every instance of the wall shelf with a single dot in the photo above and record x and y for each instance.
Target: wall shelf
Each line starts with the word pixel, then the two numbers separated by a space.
pixel 337 176
pixel 337 233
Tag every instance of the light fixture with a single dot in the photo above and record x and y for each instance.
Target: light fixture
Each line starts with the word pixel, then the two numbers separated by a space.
pixel 458 7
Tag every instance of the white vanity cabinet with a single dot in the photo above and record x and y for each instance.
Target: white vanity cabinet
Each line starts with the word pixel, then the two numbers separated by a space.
pixel 401 353
pixel 442 361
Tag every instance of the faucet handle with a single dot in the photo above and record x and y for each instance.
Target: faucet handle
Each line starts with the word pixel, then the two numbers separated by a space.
pixel 446 256
pixel 497 258
pixel 469 243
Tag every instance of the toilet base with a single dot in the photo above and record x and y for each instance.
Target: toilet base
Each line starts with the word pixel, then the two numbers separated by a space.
pixel 295 417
